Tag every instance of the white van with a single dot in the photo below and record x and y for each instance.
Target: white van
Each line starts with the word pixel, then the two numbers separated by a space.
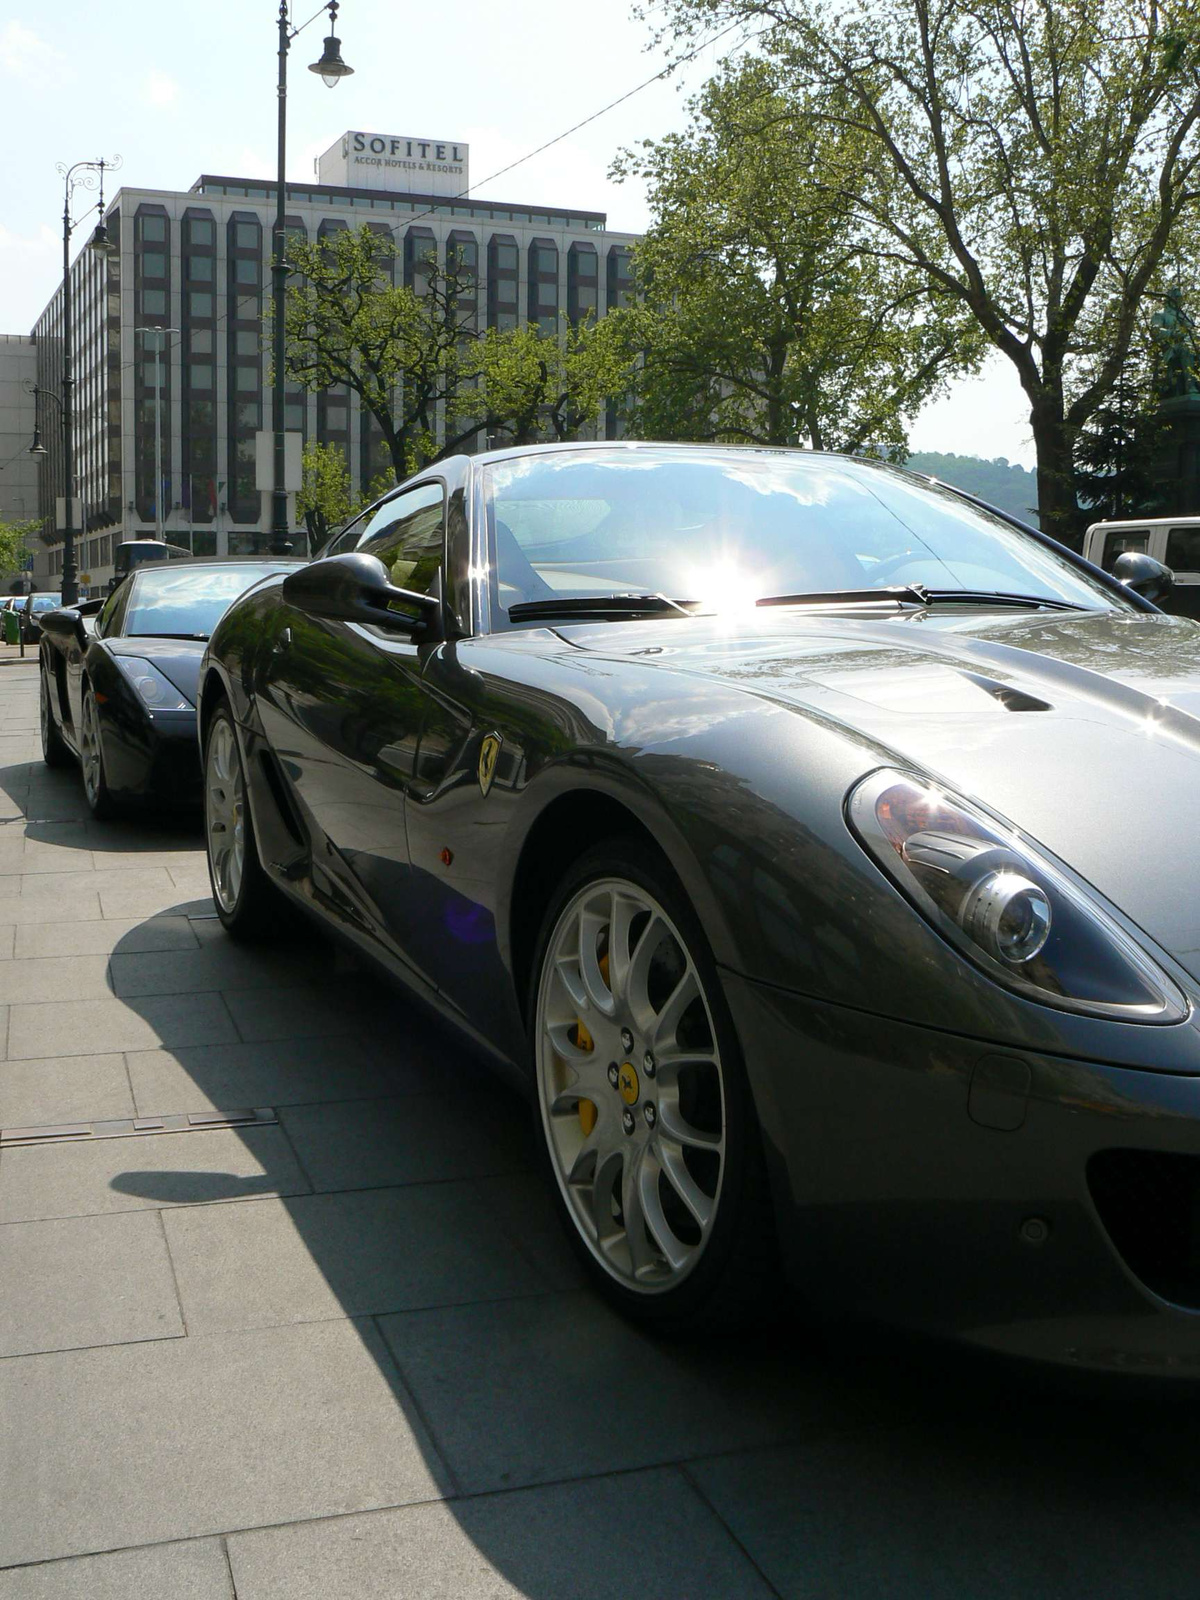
pixel 1175 541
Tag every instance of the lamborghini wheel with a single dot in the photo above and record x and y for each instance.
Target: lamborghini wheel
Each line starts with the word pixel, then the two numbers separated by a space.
pixel 245 897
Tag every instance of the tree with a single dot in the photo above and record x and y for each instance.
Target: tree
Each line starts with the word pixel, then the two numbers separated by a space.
pixel 326 499
pixel 762 318
pixel 16 544
pixel 419 362
pixel 1036 160
pixel 533 385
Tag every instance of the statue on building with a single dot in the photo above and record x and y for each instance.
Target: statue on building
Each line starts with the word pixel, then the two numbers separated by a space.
pixel 1174 333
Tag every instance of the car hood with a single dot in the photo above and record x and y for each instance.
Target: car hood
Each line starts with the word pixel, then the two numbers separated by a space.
pixel 1081 730
pixel 177 659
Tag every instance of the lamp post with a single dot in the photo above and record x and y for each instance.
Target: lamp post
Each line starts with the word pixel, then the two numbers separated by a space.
pixel 87 175
pixel 158 477
pixel 331 68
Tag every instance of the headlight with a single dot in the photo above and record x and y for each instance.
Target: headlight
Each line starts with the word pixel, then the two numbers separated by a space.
pixel 1004 905
pixel 152 688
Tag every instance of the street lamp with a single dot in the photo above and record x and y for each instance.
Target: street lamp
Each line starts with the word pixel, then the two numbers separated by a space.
pixel 331 68
pixel 158 477
pixel 86 175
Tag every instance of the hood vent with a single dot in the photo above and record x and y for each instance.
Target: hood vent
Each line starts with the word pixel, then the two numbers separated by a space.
pixel 1010 698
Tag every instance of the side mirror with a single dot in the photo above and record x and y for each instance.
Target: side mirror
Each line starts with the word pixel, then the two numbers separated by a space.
pixel 355 588
pixel 1144 575
pixel 65 624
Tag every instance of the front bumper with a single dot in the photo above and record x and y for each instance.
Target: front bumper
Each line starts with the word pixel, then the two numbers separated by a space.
pixel 153 760
pixel 936 1182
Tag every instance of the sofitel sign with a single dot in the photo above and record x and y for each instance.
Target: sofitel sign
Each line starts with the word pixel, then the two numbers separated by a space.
pixel 396 162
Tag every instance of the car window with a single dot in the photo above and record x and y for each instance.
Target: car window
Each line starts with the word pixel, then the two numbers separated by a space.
pixel 113 614
pixel 1116 544
pixel 173 599
pixel 1183 549
pixel 722 529
pixel 408 536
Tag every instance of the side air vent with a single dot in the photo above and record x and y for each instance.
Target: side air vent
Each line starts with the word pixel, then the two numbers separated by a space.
pixel 1011 699
pixel 1149 1201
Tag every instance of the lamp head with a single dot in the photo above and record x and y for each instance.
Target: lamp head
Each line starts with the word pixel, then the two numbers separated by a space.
pixel 100 241
pixel 37 448
pixel 331 67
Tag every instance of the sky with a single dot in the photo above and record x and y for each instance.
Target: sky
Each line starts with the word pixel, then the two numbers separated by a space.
pixel 178 89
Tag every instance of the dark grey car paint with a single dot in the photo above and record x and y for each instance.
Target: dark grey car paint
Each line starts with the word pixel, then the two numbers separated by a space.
pixel 905 1167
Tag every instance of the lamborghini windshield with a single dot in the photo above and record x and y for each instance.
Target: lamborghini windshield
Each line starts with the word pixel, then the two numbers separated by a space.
pixel 712 529
pixel 187 602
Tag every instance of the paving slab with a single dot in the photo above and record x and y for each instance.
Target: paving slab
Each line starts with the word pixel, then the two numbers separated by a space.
pixel 68 1027
pixel 137 1444
pixel 8 937
pixel 337 1255
pixel 85 1281
pixel 534 1391
pixel 103 937
pixel 39 885
pixel 59 1089
pixel 218 964
pixel 128 904
pixel 420 1138
pixel 194 1570
pixel 643 1533
pixel 173 1169
pixel 273 1073
pixel 288 1014
pixel 16 911
pixel 961 1512
pixel 59 977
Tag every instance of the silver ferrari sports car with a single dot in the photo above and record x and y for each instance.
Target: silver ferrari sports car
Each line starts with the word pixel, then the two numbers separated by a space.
pixel 815 845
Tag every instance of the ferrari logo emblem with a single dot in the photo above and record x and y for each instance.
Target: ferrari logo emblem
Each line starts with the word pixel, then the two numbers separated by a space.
pixel 489 754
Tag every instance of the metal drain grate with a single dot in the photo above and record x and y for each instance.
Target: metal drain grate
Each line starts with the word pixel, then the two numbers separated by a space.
pixel 137 1127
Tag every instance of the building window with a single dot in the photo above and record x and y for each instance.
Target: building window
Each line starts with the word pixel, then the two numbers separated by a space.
pixel 244 246
pixel 502 305
pixel 198 428
pixel 620 276
pixel 420 259
pixel 543 285
pixel 583 282
pixel 152 381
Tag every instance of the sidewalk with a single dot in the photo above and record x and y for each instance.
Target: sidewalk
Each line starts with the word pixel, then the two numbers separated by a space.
pixel 284 1313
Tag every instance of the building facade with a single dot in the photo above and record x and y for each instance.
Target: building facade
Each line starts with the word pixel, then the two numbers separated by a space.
pixel 18 469
pixel 196 266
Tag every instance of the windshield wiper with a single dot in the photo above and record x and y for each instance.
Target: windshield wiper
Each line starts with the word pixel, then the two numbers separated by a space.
pixel 902 594
pixel 917 594
pixel 601 607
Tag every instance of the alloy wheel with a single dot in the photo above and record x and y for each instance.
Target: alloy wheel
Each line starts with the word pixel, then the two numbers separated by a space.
pixel 90 755
pixel 225 814
pixel 630 1084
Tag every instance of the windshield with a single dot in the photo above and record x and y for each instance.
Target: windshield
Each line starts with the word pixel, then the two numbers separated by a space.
pixel 46 602
pixel 727 529
pixel 190 601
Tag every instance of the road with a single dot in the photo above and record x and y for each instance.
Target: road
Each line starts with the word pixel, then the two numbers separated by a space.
pixel 332 1345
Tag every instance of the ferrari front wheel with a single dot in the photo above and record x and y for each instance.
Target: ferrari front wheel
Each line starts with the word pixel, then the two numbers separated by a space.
pixel 244 896
pixel 643 1104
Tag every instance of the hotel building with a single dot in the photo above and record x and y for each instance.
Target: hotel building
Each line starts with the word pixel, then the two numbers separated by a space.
pixel 198 263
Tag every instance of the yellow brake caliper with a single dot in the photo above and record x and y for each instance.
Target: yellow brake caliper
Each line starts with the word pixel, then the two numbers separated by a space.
pixel 584 1041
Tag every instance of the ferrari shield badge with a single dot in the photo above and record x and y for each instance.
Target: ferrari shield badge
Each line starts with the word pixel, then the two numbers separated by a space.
pixel 489 753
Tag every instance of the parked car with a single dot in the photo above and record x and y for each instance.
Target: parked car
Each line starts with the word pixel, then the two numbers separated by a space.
pixel 33 608
pixel 780 821
pixel 118 679
pixel 1173 541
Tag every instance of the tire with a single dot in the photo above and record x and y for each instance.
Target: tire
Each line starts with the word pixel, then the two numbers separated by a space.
pixel 54 747
pixel 657 1170
pixel 99 797
pixel 247 902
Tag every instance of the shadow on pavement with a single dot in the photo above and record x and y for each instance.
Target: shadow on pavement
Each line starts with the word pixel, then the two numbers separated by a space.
pixel 520 1428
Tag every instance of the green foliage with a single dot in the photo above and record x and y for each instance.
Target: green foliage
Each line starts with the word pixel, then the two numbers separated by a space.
pixel 764 318
pixel 326 499
pixel 16 544
pixel 1000 482
pixel 420 364
pixel 1035 160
